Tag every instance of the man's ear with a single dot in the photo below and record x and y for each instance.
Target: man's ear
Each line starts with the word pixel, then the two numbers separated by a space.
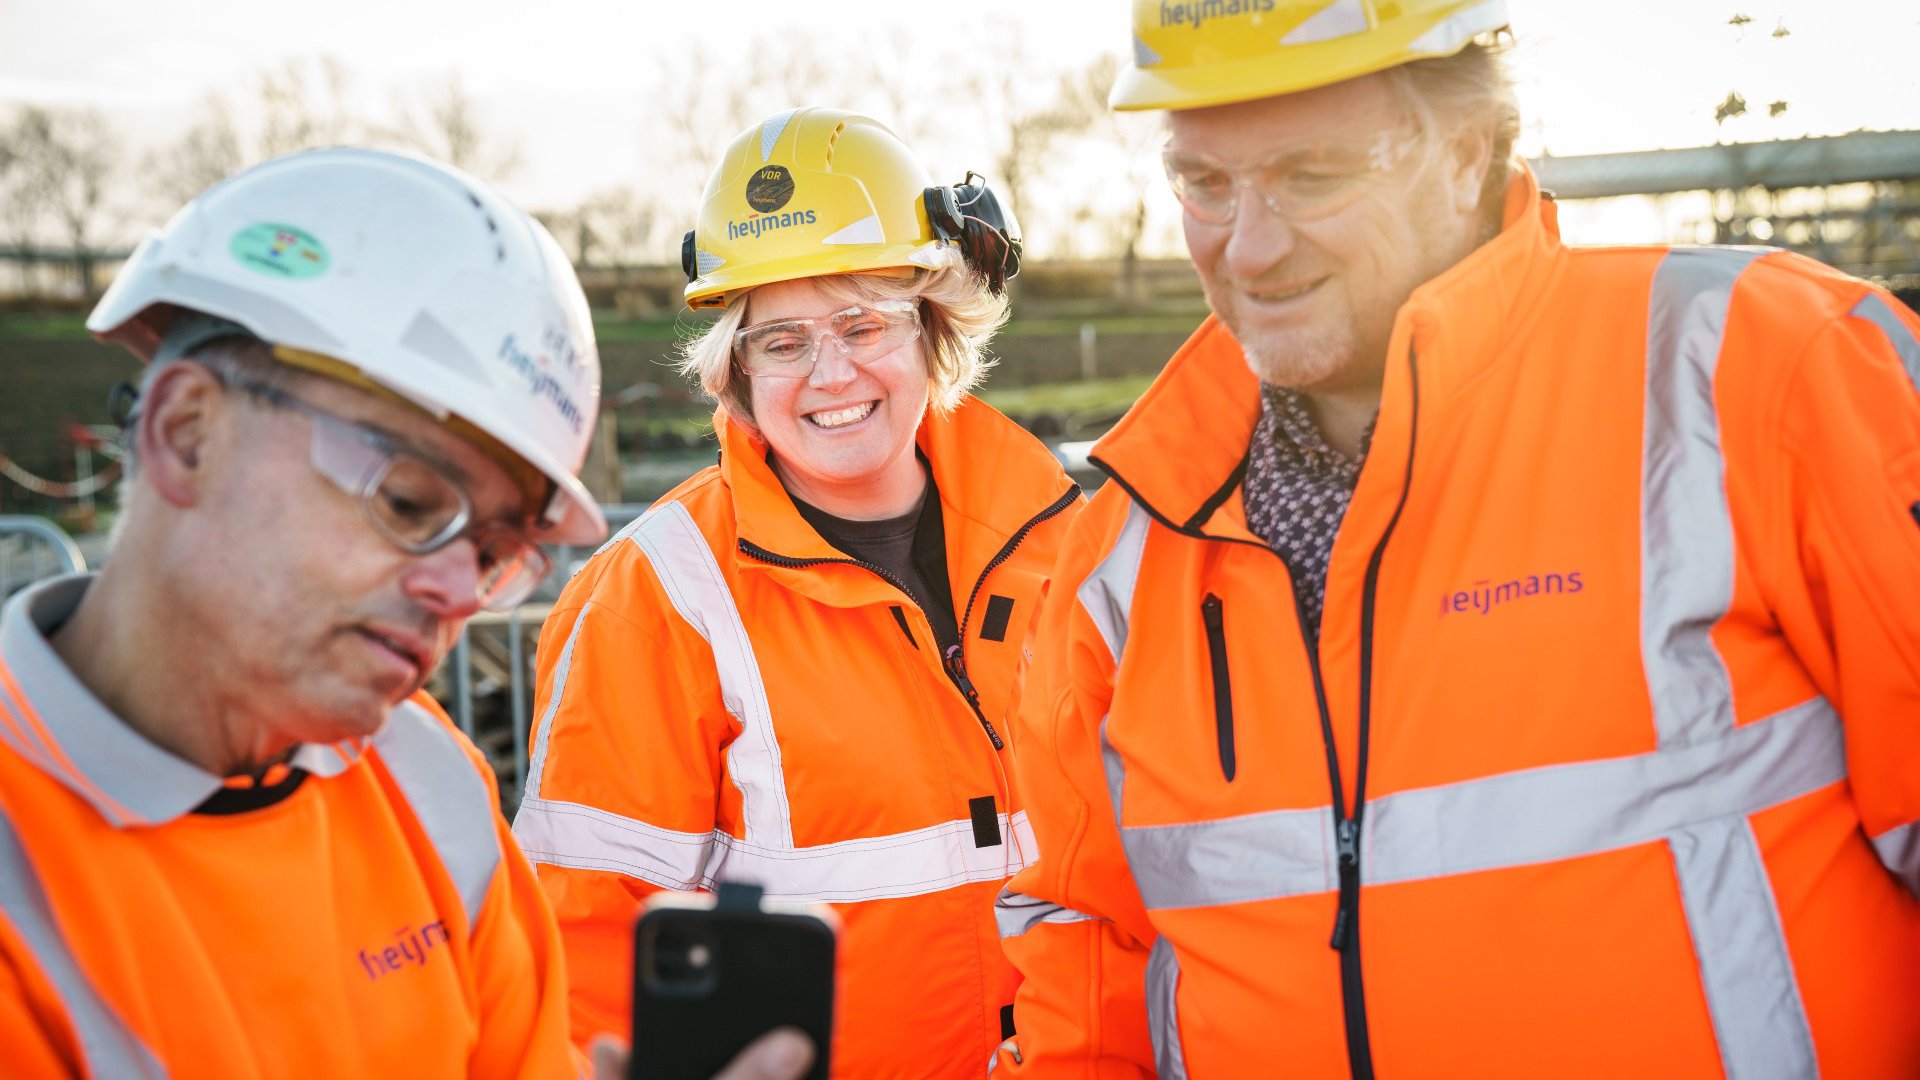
pixel 178 418
pixel 1469 158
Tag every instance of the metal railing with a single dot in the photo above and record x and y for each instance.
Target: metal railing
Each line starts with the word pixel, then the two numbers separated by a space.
pixel 487 683
pixel 33 548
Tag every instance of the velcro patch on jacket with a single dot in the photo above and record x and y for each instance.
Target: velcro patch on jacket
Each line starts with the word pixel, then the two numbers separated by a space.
pixel 999 612
pixel 986 822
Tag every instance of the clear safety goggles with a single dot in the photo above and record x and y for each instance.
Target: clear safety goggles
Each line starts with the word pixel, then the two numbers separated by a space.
pixel 786 349
pixel 411 501
pixel 1302 182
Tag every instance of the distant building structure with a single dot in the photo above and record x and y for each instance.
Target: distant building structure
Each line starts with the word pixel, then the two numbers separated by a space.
pixel 1851 201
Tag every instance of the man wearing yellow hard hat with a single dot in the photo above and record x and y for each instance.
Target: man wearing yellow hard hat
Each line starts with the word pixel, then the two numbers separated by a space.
pixel 1492 659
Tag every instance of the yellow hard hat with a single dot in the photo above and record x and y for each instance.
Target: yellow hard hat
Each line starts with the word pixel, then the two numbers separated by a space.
pixel 1189 54
pixel 811 192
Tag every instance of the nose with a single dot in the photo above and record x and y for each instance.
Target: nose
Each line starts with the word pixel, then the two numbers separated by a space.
pixel 833 366
pixel 1260 238
pixel 446 582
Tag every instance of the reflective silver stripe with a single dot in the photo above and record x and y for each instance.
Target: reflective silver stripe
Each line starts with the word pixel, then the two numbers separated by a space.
pixel 1686 588
pixel 107 1045
pixel 1686 533
pixel 447 795
pixel 913 863
pixel 1016 913
pixel 1751 991
pixel 1874 308
pixel 1107 594
pixel 589 838
pixel 1163 1010
pixel 1513 819
pixel 562 668
pixel 693 583
pixel 1899 849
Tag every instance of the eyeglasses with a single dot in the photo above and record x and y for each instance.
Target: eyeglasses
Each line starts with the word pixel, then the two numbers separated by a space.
pixel 412 502
pixel 786 349
pixel 1303 182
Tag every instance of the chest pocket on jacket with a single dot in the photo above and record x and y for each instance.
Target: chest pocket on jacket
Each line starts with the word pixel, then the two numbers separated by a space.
pixel 1213 616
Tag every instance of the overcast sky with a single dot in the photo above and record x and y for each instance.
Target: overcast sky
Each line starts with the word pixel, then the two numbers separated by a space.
pixel 568 79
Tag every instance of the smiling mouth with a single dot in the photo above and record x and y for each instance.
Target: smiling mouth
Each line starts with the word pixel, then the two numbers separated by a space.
pixel 1281 296
pixel 839 418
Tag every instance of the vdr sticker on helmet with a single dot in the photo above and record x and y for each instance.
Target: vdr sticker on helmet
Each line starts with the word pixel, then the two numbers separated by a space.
pixel 770 189
pixel 280 251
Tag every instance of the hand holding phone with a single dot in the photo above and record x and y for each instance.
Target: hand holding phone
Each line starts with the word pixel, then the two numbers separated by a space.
pixel 714 973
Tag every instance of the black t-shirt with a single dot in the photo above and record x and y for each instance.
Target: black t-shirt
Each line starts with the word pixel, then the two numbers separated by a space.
pixel 911 548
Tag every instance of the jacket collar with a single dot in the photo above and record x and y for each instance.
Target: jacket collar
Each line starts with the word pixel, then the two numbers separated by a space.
pixel 993 478
pixel 1181 450
pixel 54 722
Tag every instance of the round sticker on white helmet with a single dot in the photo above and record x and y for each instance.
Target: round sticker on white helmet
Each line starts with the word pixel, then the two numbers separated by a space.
pixel 281 251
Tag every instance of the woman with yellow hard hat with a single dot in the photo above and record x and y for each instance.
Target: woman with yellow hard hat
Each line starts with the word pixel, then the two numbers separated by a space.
pixel 795 670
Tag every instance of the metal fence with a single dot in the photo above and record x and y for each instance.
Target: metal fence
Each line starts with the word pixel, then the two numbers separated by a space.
pixel 486 685
pixel 33 548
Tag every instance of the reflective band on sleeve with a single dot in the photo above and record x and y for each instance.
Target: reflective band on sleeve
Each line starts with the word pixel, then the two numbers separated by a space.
pixel 905 864
pixel 1752 995
pixel 692 580
pixel 1899 849
pixel 563 667
pixel 108 1046
pixel 1686 530
pixel 1107 594
pixel 1874 308
pixel 1513 819
pixel 447 796
pixel 1016 913
pixel 1163 1010
pixel 588 838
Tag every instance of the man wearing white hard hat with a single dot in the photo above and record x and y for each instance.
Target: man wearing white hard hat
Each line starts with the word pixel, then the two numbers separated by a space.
pixel 1492 658
pixel 236 839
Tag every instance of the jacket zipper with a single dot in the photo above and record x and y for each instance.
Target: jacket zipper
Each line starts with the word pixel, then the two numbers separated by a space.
pixel 1211 617
pixel 954 663
pixel 1346 922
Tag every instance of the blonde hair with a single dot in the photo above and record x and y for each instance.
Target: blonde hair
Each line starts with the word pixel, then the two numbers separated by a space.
pixel 1473 88
pixel 958 317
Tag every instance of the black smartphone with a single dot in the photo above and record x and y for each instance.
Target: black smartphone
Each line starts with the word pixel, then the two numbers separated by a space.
pixel 713 973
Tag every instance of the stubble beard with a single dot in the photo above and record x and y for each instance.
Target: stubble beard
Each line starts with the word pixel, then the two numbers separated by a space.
pixel 1302 358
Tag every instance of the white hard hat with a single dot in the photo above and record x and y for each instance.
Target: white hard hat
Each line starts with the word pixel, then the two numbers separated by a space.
pixel 417 277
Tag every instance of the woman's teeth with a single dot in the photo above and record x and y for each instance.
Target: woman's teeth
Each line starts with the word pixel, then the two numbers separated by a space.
pixel 841 417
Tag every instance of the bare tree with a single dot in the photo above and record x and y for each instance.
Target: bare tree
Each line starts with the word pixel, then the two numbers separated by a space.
pixel 305 104
pixel 1130 141
pixel 209 151
pixel 298 105
pixel 63 162
pixel 444 123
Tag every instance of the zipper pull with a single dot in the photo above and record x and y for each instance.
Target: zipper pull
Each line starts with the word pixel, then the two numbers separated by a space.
pixel 1210 612
pixel 1349 844
pixel 956 665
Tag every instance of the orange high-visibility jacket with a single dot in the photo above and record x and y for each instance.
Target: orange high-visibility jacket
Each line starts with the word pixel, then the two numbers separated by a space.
pixel 1608 761
pixel 724 696
pixel 370 918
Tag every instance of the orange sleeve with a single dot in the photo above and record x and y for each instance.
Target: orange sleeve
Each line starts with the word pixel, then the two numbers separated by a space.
pixel 1073 922
pixel 1851 437
pixel 35 1044
pixel 521 978
pixel 629 729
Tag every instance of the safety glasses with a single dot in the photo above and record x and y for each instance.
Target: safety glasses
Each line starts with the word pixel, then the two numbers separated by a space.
pixel 411 501
pixel 1302 182
pixel 786 349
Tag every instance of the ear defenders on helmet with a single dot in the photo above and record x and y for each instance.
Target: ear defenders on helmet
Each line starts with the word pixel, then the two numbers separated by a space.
pixel 970 216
